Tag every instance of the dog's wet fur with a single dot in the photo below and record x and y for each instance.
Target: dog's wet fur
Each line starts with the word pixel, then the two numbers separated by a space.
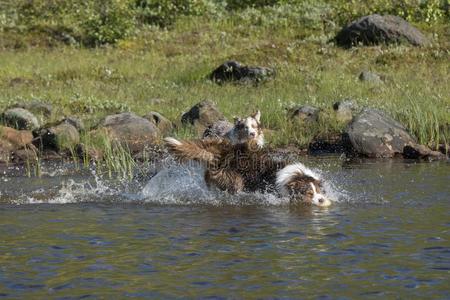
pixel 246 166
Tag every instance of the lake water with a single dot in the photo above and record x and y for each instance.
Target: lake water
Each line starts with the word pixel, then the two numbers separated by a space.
pixel 68 235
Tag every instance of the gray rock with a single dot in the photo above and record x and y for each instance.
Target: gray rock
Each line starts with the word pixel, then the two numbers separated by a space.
pixel 75 122
pixel 164 125
pixel 12 140
pixel 20 118
pixel 131 130
pixel 25 154
pixel 305 113
pixel 233 71
pixel 202 115
pixel 61 137
pixel 376 29
pixel 36 107
pixel 218 130
pixel 373 134
pixel 344 110
pixel 371 77
pixel 416 151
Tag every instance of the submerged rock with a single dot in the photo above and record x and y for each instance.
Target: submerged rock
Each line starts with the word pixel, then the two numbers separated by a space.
pixel 233 71
pixel 327 144
pixel 131 130
pixel 376 29
pixel 416 151
pixel 25 154
pixel 305 113
pixel 20 119
pixel 202 115
pixel 164 125
pixel 373 134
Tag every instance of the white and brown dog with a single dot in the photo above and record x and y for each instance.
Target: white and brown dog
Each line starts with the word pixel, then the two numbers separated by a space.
pixel 245 166
pixel 248 129
pixel 242 131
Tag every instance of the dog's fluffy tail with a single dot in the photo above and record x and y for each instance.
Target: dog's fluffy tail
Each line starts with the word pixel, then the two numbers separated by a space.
pixel 189 150
pixel 292 173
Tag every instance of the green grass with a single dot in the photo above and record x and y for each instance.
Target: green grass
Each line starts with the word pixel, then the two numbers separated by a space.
pixel 165 70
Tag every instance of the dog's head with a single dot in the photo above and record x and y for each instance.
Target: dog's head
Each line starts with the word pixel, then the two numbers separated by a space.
pixel 308 190
pixel 249 129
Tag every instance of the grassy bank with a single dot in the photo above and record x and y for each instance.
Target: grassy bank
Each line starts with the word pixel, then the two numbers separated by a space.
pixel 165 70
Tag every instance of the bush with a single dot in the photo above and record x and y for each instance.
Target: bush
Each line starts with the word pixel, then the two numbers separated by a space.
pixel 92 22
pixel 307 14
pixel 108 22
pixel 165 12
pixel 242 4
pixel 412 10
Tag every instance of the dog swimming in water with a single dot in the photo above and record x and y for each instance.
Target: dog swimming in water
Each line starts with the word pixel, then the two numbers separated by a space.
pixel 246 166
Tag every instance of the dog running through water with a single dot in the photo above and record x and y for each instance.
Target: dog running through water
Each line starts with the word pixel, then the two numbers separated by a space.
pixel 234 167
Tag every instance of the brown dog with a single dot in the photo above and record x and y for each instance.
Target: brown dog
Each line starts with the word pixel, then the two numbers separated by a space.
pixel 248 167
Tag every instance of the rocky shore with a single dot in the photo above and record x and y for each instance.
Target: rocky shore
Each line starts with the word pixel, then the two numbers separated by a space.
pixel 23 138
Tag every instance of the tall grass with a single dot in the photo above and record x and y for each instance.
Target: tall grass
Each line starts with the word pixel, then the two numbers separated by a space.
pixel 166 70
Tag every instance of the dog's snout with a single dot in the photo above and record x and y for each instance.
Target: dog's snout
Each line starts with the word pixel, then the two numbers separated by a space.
pixel 321 200
pixel 252 134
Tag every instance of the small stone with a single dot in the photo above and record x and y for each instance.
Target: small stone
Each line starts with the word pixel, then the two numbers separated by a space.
pixel 344 110
pixel 218 130
pixel 202 115
pixel 61 137
pixel 164 125
pixel 233 71
pixel 131 130
pixel 75 122
pixel 305 113
pixel 36 107
pixel 20 118
pixel 371 77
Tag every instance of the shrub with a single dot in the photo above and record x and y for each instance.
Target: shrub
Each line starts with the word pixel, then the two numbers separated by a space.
pixel 108 22
pixel 412 10
pixel 165 12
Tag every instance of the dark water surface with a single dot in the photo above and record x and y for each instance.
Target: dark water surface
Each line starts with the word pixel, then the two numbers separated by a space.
pixel 387 237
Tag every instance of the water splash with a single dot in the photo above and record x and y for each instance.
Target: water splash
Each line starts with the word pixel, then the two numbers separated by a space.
pixel 174 185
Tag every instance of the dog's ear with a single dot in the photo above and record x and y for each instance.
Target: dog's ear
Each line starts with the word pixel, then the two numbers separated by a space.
pixel 237 120
pixel 257 116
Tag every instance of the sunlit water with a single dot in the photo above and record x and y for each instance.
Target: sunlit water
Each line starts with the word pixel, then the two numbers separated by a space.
pixel 68 236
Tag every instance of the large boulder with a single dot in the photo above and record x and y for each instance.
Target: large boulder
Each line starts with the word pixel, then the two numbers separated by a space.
pixel 164 125
pixel 131 130
pixel 233 71
pixel 202 115
pixel 376 29
pixel 373 134
pixel 20 119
